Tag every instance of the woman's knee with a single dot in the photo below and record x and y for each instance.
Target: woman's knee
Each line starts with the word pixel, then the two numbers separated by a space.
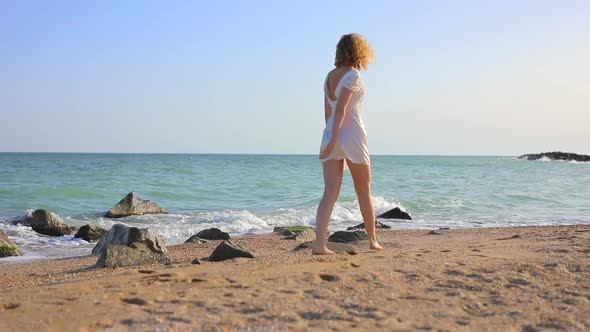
pixel 363 190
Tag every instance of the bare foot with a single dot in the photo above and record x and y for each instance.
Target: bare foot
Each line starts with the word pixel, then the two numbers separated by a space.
pixel 318 249
pixel 373 244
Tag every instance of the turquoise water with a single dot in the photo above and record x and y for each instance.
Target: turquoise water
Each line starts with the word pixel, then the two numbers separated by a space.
pixel 254 193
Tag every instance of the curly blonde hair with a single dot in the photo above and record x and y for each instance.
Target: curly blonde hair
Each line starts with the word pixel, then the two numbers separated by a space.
pixel 353 50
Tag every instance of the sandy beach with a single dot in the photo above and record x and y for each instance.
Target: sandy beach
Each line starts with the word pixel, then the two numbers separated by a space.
pixel 487 279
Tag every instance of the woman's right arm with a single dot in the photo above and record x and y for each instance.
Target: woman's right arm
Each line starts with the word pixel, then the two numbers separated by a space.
pixel 340 112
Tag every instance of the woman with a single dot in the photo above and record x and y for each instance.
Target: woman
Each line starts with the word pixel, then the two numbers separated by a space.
pixel 345 138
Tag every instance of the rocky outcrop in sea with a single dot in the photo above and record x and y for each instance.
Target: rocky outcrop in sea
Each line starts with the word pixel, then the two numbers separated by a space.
pixel 133 205
pixel 556 155
pixel 48 223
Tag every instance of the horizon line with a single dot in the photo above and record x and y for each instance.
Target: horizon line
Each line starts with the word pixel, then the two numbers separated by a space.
pixel 254 154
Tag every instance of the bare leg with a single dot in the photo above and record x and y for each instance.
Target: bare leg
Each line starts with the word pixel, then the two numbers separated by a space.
pixel 332 180
pixel 361 176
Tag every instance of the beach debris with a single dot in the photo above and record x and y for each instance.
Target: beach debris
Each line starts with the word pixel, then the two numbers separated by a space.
pixel 124 235
pixel 290 230
pixel 7 247
pixel 133 205
pixel 348 236
pixel 395 213
pixel 228 250
pixel 378 225
pixel 434 233
pixel 48 223
pixel 213 234
pixel 195 239
pixel 118 255
pixel 90 233
pixel 305 235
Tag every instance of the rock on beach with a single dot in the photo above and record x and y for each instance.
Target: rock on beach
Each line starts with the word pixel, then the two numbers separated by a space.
pixel 133 205
pixel 48 223
pixel 7 247
pixel 90 233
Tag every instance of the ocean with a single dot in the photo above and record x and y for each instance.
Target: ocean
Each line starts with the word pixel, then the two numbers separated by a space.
pixel 254 193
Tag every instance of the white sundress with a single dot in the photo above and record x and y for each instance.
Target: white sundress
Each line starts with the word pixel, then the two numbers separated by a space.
pixel 352 143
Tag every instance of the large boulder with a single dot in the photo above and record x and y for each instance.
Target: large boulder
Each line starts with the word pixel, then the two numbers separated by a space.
pixel 228 250
pixel 213 234
pixel 348 236
pixel 124 235
pixel 117 255
pixel 48 223
pixel 7 247
pixel 556 155
pixel 379 225
pixel 395 213
pixel 133 205
pixel 90 233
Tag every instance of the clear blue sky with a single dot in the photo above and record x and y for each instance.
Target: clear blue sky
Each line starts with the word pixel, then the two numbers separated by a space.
pixel 451 77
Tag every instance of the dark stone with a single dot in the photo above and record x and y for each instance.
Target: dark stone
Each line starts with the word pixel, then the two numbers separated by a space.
pixel 395 213
pixel 228 250
pixel 117 255
pixel 133 205
pixel 123 235
pixel 348 236
pixel 329 277
pixel 213 234
pixel 305 235
pixel 290 230
pixel 434 233
pixel 48 223
pixel 378 224
pixel 90 233
pixel 196 261
pixel 7 247
pixel 135 300
pixel 557 155
pixel 195 239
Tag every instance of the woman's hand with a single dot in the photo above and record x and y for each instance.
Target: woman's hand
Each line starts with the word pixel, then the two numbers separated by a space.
pixel 328 149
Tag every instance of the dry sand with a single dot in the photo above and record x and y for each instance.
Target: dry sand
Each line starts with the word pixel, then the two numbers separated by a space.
pixel 492 279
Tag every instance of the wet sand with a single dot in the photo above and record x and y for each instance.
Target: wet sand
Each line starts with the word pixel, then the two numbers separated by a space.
pixel 488 279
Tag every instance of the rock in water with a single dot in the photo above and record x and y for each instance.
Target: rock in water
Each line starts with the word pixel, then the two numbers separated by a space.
pixel 90 233
pixel 121 234
pixel 305 235
pixel 133 205
pixel 7 247
pixel 117 255
pixel 195 239
pixel 557 155
pixel 48 223
pixel 213 234
pixel 347 236
pixel 228 250
pixel 395 213
pixel 379 225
